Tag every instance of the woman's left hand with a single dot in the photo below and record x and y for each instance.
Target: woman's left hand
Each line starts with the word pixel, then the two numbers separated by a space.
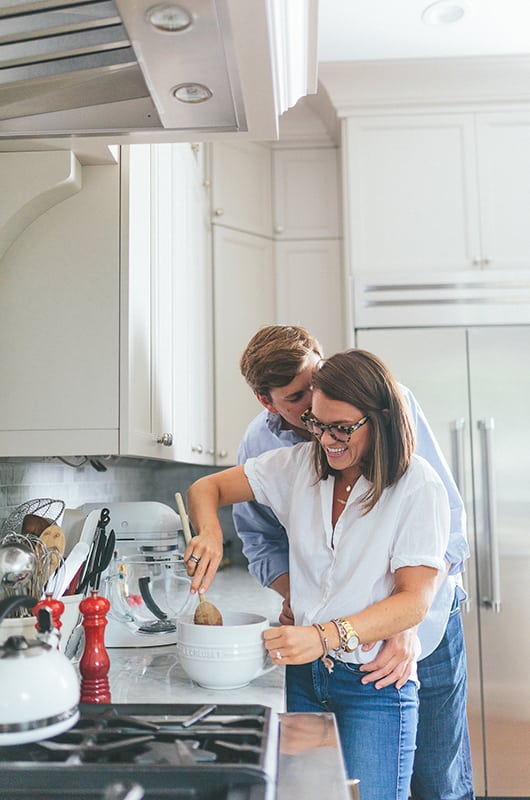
pixel 293 644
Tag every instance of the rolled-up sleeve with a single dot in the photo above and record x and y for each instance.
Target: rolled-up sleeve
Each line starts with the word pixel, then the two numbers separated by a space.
pixel 427 447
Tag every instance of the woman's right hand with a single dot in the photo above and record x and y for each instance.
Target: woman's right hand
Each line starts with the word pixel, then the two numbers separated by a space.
pixel 202 557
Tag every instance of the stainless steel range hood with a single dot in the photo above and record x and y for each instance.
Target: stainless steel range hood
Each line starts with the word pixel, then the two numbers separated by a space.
pixel 108 68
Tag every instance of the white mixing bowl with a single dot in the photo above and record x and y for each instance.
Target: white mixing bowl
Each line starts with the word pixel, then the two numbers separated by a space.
pixel 224 656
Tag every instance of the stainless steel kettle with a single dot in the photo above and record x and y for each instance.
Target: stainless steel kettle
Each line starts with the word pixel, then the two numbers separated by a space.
pixel 40 687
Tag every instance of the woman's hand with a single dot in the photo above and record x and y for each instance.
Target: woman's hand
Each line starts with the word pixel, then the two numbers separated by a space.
pixel 293 644
pixel 394 662
pixel 202 557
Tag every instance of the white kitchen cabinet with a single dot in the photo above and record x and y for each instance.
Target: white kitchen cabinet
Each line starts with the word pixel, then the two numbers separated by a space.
pixel 438 192
pixel 106 316
pixel 305 193
pixel 167 397
pixel 307 249
pixel 193 371
pixel 59 325
pixel 310 289
pixel 241 193
pixel 244 300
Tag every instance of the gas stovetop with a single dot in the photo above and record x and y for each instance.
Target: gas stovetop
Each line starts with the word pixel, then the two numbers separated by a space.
pixel 216 752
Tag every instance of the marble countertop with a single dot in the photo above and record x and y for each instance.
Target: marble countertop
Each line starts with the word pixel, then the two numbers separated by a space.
pixel 154 674
pixel 310 763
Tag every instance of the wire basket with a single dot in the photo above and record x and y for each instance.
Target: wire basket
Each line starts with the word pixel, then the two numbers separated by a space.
pixel 40 507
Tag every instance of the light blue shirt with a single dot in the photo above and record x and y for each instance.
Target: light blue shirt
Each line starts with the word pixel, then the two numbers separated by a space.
pixel 265 543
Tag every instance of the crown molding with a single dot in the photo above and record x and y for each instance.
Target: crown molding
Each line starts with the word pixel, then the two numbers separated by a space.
pixel 355 85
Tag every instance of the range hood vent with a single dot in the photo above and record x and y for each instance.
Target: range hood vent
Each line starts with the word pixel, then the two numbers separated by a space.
pixel 103 68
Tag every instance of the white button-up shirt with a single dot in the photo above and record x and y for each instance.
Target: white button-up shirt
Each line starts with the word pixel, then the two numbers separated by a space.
pixel 336 573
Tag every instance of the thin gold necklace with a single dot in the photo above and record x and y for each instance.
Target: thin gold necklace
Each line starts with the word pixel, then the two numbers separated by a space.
pixel 348 490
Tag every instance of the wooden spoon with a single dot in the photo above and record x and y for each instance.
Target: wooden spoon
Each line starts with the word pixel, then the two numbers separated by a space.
pixel 205 613
pixel 53 538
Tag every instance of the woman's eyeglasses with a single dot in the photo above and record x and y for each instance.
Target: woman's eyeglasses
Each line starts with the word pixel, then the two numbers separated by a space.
pixel 341 433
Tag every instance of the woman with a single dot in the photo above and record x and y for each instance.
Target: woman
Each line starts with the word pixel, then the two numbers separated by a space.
pixel 368 524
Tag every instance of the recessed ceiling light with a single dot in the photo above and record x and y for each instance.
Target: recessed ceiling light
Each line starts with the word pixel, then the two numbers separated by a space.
pixel 169 17
pixel 191 92
pixel 444 12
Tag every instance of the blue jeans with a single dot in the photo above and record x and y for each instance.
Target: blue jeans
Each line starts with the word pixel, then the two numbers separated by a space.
pixel 377 728
pixel 442 764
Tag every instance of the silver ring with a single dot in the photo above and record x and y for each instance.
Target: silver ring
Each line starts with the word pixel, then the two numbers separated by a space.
pixel 278 655
pixel 194 559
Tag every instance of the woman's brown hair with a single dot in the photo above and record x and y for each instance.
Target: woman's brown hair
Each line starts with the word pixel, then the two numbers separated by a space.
pixel 361 379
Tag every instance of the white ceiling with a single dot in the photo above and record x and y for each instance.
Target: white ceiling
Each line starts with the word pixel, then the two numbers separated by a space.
pixel 360 30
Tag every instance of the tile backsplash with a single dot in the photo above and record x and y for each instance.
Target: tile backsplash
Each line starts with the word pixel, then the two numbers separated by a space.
pixel 125 479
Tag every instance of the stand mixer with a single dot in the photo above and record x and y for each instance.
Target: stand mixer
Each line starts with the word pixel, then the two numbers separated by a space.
pixel 146 581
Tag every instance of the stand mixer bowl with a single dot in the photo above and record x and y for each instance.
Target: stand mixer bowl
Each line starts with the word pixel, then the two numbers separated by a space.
pixel 147 593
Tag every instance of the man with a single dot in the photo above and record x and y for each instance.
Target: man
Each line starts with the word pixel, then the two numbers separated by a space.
pixel 277 364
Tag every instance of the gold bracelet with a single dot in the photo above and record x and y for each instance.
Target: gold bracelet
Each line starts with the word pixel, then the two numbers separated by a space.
pixel 326 660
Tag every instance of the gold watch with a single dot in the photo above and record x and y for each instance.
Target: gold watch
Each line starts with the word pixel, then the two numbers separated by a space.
pixel 349 638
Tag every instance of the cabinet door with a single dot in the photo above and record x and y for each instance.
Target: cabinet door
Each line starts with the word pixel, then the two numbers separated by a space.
pixel 146 349
pixel 310 289
pixel 192 310
pixel 241 186
pixel 504 173
pixel 306 193
pixel 59 326
pixel 412 193
pixel 244 300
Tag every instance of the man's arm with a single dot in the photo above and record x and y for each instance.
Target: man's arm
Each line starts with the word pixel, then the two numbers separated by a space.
pixel 427 446
pixel 264 541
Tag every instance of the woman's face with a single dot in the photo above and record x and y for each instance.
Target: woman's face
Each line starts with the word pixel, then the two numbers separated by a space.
pixel 341 456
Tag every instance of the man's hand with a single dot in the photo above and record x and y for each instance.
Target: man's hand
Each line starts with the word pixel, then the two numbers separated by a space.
pixel 286 615
pixel 282 586
pixel 394 662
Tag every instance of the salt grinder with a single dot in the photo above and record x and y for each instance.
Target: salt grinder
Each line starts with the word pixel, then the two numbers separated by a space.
pixel 95 663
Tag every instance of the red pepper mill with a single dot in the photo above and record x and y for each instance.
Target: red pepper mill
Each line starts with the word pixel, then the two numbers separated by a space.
pixel 95 662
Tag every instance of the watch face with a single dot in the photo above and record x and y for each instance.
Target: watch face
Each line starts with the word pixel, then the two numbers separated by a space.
pixel 352 643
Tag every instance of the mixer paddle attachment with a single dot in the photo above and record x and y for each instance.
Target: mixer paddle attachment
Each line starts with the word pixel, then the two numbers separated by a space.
pixel 162 625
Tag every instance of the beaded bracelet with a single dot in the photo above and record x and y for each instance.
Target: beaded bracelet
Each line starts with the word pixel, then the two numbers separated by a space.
pixel 326 660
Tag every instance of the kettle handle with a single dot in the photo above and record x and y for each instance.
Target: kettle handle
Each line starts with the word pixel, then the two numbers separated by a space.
pixel 9 603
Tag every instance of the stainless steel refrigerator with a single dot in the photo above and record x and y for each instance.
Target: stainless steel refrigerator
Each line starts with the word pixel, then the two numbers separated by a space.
pixel 474 387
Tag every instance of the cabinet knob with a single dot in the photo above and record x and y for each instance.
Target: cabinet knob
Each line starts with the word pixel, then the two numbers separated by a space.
pixel 196 448
pixel 219 212
pixel 477 262
pixel 223 453
pixel 166 439
pixel 279 229
pixel 486 262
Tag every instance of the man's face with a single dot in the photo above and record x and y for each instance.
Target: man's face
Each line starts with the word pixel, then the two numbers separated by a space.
pixel 291 400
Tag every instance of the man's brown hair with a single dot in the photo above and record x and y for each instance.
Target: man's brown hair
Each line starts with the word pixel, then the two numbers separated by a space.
pixel 275 355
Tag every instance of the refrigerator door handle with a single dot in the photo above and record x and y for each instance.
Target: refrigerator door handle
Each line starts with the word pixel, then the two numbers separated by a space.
pixel 457 430
pixel 493 597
